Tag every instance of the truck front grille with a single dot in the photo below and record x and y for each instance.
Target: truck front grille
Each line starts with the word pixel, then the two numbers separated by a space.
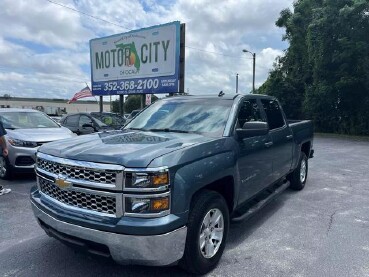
pixel 79 173
pixel 92 202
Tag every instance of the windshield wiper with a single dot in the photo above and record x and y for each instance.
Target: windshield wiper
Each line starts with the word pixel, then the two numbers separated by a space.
pixel 168 130
pixel 139 129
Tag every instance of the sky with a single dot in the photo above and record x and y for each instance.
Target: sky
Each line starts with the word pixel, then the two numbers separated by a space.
pixel 44 44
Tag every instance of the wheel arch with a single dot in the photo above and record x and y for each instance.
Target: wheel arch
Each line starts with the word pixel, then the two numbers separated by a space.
pixel 305 147
pixel 224 186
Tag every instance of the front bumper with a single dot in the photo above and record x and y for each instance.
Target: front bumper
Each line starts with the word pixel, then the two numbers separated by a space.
pixel 22 158
pixel 158 250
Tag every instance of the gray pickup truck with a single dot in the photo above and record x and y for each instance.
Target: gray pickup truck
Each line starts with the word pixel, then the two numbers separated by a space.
pixel 165 188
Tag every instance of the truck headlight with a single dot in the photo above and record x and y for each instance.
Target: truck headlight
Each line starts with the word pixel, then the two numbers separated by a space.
pixel 148 180
pixel 22 143
pixel 147 205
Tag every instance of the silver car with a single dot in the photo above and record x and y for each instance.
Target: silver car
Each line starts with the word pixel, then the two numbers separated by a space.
pixel 26 130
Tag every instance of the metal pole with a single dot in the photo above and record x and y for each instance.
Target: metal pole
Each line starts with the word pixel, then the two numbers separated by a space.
pixel 253 73
pixel 101 104
pixel 123 112
pixel 182 58
pixel 121 108
pixel 236 83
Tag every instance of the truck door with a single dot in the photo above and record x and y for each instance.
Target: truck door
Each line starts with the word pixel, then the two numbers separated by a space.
pixel 255 161
pixel 282 138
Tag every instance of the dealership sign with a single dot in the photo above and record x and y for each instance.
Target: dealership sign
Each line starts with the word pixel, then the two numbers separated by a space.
pixel 138 62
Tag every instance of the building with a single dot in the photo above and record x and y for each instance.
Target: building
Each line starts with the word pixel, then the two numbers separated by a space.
pixel 52 106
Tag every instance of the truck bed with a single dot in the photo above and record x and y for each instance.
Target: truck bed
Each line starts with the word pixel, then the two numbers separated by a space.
pixel 302 130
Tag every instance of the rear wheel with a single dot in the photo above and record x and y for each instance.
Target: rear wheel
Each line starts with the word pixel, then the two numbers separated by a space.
pixel 299 175
pixel 5 168
pixel 207 233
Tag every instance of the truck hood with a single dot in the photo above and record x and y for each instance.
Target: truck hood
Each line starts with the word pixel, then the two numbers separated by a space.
pixel 40 134
pixel 125 147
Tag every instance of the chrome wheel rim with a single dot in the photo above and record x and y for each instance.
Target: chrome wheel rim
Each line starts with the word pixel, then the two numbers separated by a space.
pixel 303 169
pixel 211 233
pixel 2 167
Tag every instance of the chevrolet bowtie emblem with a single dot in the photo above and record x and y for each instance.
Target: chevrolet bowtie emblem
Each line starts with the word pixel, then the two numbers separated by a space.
pixel 61 182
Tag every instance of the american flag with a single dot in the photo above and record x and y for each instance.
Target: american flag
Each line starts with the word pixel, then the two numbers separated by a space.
pixel 85 92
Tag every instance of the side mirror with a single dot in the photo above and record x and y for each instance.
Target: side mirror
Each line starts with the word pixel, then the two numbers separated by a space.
pixel 252 129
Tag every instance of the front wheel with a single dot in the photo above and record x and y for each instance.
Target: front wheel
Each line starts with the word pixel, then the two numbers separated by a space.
pixel 207 233
pixel 299 175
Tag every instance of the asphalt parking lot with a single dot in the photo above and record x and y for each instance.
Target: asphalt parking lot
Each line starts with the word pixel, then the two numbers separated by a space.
pixel 320 231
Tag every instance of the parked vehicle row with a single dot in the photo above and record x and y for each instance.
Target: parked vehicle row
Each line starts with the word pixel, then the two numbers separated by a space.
pixel 84 123
pixel 87 123
pixel 28 129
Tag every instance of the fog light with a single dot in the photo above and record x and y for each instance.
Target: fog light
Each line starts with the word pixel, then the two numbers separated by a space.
pixel 140 205
pixel 160 204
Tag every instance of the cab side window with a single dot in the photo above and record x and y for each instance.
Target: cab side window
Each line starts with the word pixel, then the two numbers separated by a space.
pixel 249 111
pixel 273 113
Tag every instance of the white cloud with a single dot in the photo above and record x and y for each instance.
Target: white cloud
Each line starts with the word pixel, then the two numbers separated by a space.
pixel 43 23
pixel 44 47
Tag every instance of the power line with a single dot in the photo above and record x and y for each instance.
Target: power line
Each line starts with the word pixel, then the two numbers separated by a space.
pixel 89 15
pixel 109 22
pixel 217 53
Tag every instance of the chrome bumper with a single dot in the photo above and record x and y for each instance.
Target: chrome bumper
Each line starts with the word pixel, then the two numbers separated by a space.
pixel 156 250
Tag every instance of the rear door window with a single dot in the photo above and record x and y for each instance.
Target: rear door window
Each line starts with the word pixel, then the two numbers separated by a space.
pixel 273 113
pixel 85 120
pixel 71 121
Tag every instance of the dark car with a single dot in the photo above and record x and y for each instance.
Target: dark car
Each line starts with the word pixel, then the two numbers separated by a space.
pixel 83 123
pixel 113 120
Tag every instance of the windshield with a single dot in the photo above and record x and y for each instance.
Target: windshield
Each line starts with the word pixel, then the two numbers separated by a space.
pixel 26 120
pixel 205 116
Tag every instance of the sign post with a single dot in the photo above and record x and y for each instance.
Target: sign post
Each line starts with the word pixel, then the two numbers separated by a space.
pixel 148 99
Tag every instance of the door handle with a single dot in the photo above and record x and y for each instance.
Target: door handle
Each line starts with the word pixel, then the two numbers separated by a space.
pixel 268 144
pixel 289 137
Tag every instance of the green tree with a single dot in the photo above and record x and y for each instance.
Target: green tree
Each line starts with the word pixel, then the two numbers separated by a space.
pixel 324 73
pixel 132 102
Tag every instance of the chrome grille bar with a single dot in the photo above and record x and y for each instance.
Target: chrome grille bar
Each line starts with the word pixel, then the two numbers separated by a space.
pixel 88 174
pixel 94 188
pixel 99 203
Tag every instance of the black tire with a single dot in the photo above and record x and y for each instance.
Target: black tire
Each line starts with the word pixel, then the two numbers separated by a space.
pixel 5 169
pixel 205 203
pixel 296 178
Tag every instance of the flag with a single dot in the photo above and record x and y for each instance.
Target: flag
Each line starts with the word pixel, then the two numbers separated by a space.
pixel 85 92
